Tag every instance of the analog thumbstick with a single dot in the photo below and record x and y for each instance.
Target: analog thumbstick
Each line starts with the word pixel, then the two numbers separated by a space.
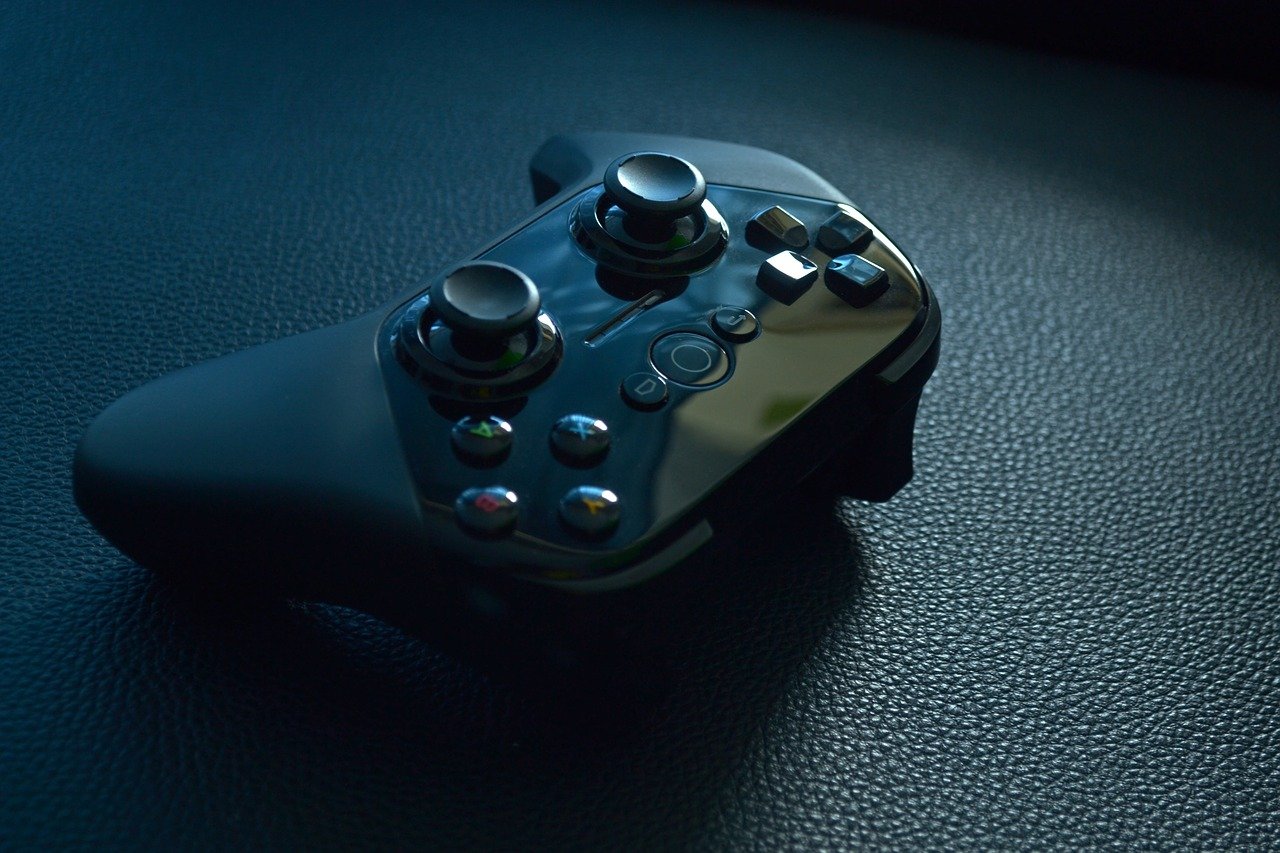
pixel 653 189
pixel 486 300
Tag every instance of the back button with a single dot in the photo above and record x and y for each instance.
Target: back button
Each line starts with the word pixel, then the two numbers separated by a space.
pixel 644 391
pixel 737 325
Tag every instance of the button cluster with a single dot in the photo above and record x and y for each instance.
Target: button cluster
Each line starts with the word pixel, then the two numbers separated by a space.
pixel 576 440
pixel 680 358
pixel 590 512
pixel 787 275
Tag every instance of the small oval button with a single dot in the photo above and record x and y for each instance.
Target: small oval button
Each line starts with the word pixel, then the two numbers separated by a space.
pixel 490 511
pixel 644 391
pixel 737 325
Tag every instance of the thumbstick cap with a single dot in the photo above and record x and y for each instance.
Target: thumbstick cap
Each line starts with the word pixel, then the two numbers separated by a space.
pixel 486 298
pixel 655 186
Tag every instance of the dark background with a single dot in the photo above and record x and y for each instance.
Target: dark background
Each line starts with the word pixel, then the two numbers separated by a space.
pixel 1064 632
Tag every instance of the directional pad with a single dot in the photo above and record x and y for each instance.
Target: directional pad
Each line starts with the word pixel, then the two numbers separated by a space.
pixel 775 229
pixel 842 234
pixel 856 280
pixel 787 276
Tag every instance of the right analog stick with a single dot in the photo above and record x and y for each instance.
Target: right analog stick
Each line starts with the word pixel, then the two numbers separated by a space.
pixel 654 189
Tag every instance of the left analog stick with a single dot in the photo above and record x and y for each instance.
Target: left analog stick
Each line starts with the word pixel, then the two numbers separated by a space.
pixel 480 333
pixel 486 300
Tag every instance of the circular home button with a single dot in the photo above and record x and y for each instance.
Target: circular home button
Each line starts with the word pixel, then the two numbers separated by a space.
pixel 690 359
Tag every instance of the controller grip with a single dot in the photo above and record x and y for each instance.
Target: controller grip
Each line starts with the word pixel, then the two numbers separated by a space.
pixel 567 164
pixel 277 472
pixel 269 469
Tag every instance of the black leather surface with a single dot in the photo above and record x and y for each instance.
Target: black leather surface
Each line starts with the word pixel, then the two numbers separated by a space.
pixel 1064 632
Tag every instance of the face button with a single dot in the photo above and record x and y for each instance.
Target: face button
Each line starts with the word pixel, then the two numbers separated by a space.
pixel 482 441
pixel 775 229
pixel 490 511
pixel 644 391
pixel 842 234
pixel 590 511
pixel 856 280
pixel 737 325
pixel 690 359
pixel 580 440
pixel 786 276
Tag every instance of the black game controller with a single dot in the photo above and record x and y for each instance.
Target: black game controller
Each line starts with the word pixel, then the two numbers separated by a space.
pixel 678 332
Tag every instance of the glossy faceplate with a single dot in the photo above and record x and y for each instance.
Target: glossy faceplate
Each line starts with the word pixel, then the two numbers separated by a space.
pixel 661 464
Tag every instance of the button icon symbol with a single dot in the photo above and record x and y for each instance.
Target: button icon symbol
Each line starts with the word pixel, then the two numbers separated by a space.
pixel 691 357
pixel 482 441
pixel 735 323
pixel 590 511
pixel 489 511
pixel 644 391
pixel 580 440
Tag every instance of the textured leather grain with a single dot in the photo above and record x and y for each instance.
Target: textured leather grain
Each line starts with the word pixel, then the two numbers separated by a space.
pixel 1063 633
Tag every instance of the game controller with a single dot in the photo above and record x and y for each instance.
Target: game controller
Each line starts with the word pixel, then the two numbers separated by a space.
pixel 678 333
